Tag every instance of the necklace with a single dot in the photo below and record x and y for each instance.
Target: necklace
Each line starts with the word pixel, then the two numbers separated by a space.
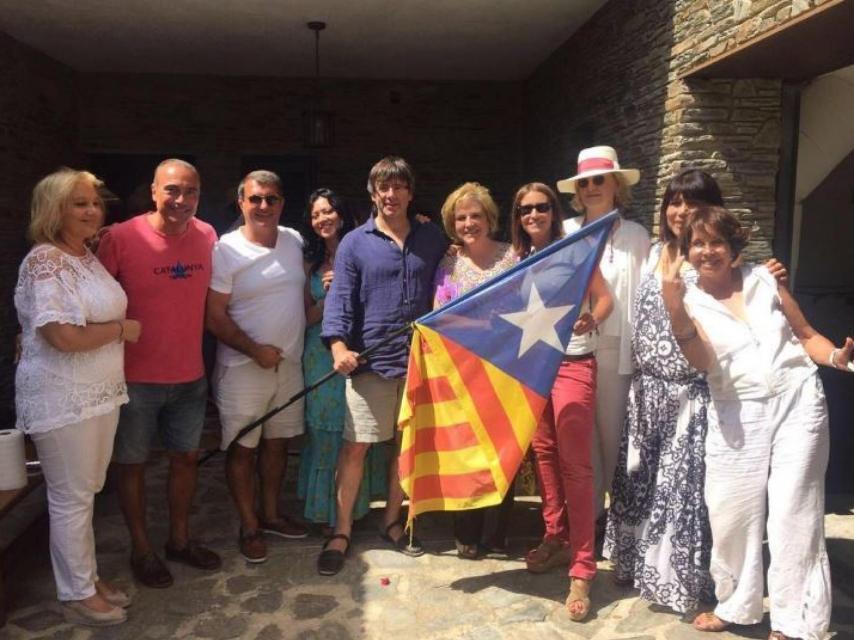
pixel 610 243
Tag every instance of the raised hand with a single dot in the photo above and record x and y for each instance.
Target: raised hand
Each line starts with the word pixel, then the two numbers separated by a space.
pixel 672 285
pixel 778 270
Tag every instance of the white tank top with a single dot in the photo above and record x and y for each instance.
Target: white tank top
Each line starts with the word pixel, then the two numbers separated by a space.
pixel 584 343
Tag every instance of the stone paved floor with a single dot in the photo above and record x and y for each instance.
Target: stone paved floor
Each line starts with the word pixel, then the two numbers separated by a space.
pixel 434 597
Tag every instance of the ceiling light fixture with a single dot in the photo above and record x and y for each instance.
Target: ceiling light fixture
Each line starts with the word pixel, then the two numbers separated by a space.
pixel 318 125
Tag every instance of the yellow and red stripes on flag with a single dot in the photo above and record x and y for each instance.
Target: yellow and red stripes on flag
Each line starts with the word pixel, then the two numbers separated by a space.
pixel 466 426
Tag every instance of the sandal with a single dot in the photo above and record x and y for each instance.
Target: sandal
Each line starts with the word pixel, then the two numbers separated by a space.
pixel 708 621
pixel 402 543
pixel 549 554
pixel 467 551
pixel 579 592
pixel 778 635
pixel 331 561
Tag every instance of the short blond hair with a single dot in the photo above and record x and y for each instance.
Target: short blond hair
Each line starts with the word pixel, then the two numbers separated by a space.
pixel 622 198
pixel 469 191
pixel 50 196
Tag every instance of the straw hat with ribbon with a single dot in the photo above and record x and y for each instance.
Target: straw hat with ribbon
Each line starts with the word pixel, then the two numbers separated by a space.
pixel 595 161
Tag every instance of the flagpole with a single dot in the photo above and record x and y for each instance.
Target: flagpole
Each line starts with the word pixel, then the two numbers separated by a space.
pixel 363 356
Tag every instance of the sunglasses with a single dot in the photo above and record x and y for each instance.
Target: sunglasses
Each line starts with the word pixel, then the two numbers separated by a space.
pixel 597 180
pixel 271 200
pixel 528 209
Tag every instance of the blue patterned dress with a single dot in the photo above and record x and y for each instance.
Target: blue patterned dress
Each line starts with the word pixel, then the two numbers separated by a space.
pixel 324 423
pixel 658 533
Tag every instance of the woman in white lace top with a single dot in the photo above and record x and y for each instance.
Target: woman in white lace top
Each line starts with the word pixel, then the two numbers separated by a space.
pixel 70 380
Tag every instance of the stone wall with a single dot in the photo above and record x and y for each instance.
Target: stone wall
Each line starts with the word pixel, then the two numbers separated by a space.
pixel 449 132
pixel 605 85
pixel 38 133
pixel 617 81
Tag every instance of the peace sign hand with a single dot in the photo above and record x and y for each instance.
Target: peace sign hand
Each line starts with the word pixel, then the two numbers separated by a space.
pixel 672 285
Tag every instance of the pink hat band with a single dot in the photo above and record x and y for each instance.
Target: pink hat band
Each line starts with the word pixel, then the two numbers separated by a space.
pixel 594 164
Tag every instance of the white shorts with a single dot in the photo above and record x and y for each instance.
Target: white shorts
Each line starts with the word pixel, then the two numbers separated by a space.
pixel 373 403
pixel 245 392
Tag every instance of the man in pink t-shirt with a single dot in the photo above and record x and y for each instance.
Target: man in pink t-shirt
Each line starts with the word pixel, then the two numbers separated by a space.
pixel 162 259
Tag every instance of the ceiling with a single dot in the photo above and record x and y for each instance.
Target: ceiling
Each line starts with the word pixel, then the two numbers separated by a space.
pixel 491 40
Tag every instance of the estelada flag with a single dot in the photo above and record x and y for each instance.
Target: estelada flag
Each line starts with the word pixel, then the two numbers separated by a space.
pixel 481 369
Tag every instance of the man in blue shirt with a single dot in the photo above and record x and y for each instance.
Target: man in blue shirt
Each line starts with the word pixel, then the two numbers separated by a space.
pixel 383 281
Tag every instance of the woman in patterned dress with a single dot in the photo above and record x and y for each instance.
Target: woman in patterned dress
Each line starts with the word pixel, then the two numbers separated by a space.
pixel 658 527
pixel 470 218
pixel 324 407
pixel 658 535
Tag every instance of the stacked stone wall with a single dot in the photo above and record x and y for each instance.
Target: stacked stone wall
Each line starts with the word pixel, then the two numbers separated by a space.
pixel 618 81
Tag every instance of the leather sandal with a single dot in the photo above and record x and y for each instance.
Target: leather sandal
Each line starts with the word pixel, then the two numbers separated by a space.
pixel 579 592
pixel 194 555
pixel 331 561
pixel 779 635
pixel 149 570
pixel 550 553
pixel 467 551
pixel 708 621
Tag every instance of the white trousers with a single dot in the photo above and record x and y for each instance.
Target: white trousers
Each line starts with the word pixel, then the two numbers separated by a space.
pixel 612 396
pixel 74 460
pixel 773 450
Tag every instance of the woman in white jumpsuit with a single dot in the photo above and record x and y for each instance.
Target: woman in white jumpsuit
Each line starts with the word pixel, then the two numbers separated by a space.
pixel 768 430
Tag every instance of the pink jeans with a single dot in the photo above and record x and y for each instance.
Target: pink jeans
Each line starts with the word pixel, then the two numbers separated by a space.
pixel 562 444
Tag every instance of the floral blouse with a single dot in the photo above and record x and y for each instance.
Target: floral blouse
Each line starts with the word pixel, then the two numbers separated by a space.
pixel 457 275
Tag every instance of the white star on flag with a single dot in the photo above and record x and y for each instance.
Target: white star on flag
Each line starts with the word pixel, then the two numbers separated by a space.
pixel 537 322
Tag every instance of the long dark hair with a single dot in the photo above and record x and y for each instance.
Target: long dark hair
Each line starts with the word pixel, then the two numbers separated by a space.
pixel 694 187
pixel 314 250
pixel 519 237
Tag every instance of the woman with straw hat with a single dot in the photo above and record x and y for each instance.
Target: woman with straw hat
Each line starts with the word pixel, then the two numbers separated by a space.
pixel 599 187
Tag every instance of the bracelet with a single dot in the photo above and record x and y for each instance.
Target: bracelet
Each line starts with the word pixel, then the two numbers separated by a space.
pixel 121 330
pixel 686 337
pixel 832 359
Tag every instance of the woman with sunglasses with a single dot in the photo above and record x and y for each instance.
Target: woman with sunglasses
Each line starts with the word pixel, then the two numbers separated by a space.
pixel 562 441
pixel 599 188
pixel 470 218
pixel 324 407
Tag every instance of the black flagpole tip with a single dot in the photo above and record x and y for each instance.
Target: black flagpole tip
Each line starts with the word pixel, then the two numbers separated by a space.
pixel 316 25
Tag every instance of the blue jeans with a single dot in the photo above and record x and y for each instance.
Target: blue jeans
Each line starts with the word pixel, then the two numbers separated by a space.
pixel 174 412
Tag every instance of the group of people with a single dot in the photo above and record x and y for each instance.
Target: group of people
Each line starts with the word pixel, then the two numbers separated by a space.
pixel 687 424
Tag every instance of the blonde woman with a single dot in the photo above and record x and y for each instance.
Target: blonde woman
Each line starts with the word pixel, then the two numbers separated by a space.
pixel 600 187
pixel 470 218
pixel 70 380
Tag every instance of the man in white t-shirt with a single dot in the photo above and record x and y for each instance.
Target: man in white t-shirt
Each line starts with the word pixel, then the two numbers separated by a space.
pixel 255 309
